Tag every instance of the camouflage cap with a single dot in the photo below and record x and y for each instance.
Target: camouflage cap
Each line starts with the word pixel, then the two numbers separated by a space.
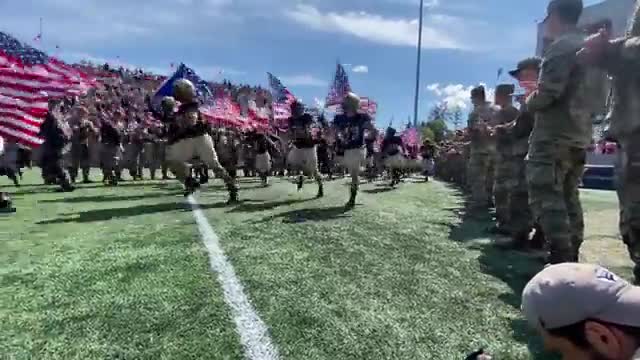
pixel 505 89
pixel 567 294
pixel 532 62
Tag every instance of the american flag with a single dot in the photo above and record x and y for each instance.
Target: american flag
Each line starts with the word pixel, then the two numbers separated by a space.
pixel 28 79
pixel 367 106
pixel 280 93
pixel 202 87
pixel 411 137
pixel 339 88
pixel 223 112
pixel 183 72
pixel 282 100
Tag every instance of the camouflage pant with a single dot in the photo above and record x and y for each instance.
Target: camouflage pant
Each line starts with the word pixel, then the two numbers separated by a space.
pixel 110 159
pixel 504 182
pixel 134 157
pixel 479 177
pixel 53 166
pixel 80 159
pixel 155 157
pixel 554 173
pixel 628 188
pixel 520 219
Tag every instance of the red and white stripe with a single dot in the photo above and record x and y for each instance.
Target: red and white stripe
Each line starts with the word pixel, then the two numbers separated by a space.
pixel 20 120
pixel 367 106
pixel 25 91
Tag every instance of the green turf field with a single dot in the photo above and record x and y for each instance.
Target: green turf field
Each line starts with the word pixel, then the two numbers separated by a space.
pixel 121 273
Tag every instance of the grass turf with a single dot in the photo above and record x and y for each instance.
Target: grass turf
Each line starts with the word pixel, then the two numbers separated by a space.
pixel 106 273
pixel 120 273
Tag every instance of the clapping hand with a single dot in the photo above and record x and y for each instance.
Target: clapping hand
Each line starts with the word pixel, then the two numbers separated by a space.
pixel 594 46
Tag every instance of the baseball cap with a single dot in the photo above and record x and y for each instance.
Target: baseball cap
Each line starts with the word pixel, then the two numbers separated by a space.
pixel 566 294
pixel 532 62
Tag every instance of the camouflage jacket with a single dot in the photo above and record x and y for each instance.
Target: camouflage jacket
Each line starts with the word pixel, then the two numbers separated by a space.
pixel 481 116
pixel 504 140
pixel 622 61
pixel 564 102
pixel 521 131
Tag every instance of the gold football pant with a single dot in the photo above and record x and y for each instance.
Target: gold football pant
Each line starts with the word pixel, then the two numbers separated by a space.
pixel 180 153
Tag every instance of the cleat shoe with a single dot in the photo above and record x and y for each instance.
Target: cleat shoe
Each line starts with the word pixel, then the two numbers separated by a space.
pixel 499 230
pixel 204 179
pixel 300 182
pixel 190 186
pixel 6 204
pixel 350 204
pixel 233 194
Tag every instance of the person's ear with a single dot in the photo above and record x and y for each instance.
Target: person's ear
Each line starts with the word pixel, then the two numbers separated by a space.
pixel 603 339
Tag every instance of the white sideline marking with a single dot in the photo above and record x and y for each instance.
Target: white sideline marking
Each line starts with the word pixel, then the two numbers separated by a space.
pixel 253 332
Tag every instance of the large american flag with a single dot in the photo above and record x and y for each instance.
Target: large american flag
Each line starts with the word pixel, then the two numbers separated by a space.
pixel 28 79
pixel 282 100
pixel 367 106
pixel 339 88
pixel 279 92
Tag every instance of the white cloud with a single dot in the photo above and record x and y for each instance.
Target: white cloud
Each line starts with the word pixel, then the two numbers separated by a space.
pixel 361 69
pixel 79 56
pixel 427 3
pixel 81 24
pixel 208 72
pixel 376 28
pixel 212 72
pixel 302 80
pixel 457 95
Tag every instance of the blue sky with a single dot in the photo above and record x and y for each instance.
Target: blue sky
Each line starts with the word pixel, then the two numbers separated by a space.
pixel 464 41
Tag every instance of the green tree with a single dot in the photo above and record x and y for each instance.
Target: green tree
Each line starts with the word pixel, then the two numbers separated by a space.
pixel 427 133
pixel 439 129
pixel 456 118
pixel 440 112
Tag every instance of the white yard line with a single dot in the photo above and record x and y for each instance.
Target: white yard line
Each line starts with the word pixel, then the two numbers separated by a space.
pixel 253 332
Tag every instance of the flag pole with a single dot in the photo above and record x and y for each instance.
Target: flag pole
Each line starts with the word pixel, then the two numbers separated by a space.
pixel 417 95
pixel 40 33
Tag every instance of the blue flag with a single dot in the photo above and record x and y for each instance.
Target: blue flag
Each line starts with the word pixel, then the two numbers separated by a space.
pixel 183 72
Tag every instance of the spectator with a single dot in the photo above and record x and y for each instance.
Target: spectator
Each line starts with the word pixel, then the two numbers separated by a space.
pixel 584 312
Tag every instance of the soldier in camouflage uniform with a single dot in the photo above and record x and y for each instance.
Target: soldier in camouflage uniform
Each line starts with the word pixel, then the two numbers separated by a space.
pixel 111 134
pixel 83 131
pixel 481 149
pixel 504 168
pixel 561 132
pixel 621 58
pixel 520 219
pixel 134 150
pixel 154 150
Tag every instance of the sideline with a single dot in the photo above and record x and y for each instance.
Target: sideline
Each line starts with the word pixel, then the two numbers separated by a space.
pixel 254 335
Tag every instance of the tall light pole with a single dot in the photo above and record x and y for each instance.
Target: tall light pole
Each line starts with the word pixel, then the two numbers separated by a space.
pixel 417 98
